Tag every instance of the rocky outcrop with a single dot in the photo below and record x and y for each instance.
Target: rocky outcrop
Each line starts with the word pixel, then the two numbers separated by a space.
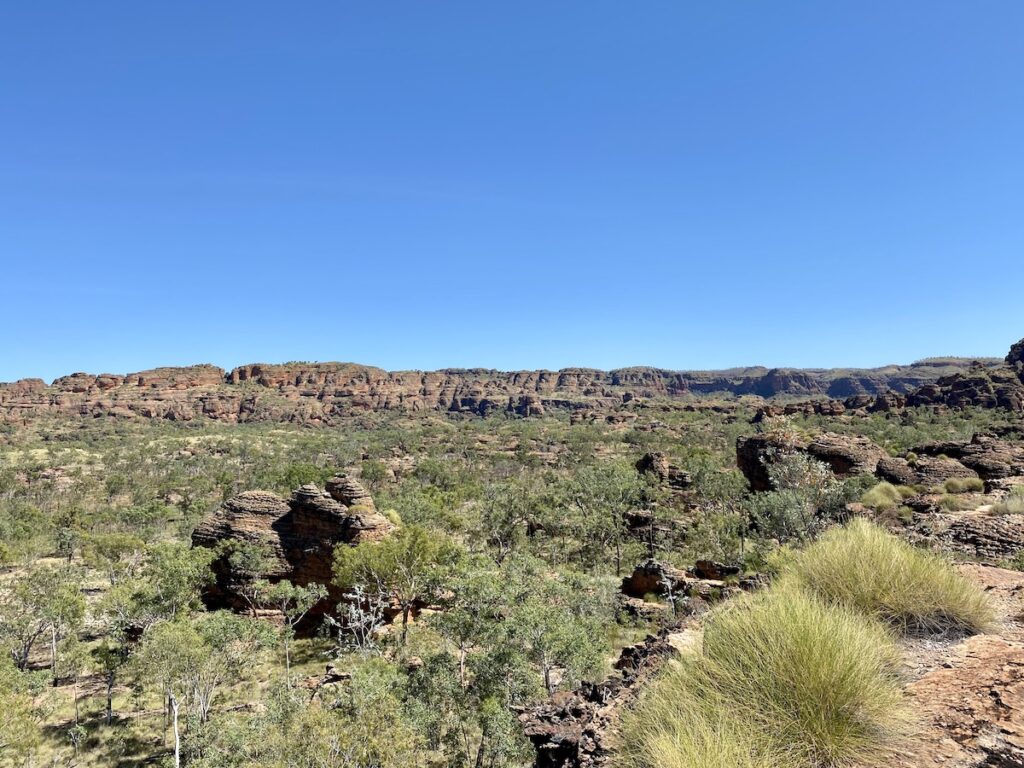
pixel 990 457
pixel 705 580
pixel 925 471
pixel 983 456
pixel 984 537
pixel 846 455
pixel 981 385
pixel 323 393
pixel 573 729
pixel 1015 357
pixel 300 533
pixel 968 694
pixel 668 474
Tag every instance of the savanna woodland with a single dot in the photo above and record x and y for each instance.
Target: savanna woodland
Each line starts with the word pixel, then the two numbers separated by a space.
pixel 335 567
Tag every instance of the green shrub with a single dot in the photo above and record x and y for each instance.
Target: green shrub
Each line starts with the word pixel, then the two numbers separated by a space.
pixel 907 492
pixel 865 568
pixel 882 497
pixel 953 503
pixel 1011 505
pixel 781 673
pixel 964 485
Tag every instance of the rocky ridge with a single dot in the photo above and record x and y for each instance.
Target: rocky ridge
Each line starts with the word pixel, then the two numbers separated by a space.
pixel 322 393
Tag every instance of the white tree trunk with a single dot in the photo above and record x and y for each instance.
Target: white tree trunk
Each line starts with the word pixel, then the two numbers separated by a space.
pixel 177 735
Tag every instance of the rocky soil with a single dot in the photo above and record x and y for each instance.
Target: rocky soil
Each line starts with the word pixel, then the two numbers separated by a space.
pixel 968 693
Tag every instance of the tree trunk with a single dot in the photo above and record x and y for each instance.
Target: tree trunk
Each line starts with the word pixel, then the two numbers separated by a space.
pixel 481 751
pixel 177 735
pixel 53 654
pixel 405 621
pixel 110 698
pixel 287 659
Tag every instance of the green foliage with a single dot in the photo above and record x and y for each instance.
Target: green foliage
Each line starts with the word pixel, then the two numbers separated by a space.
pixel 19 729
pixel 807 498
pixel 1013 504
pixel 882 497
pixel 783 679
pixel 863 567
pixel 301 473
pixel 964 485
pixel 406 566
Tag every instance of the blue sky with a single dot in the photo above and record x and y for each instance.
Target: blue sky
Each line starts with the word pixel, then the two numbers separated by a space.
pixel 510 185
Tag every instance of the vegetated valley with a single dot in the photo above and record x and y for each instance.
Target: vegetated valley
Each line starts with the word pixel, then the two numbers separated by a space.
pixel 329 565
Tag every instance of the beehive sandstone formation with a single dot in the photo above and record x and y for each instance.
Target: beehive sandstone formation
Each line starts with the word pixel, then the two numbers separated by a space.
pixel 324 393
pixel 301 532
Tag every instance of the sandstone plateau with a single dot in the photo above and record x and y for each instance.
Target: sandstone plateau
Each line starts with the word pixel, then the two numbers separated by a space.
pixel 323 393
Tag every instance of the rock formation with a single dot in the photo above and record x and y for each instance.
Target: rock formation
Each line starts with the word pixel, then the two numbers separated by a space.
pixel 846 455
pixel 574 729
pixel 983 456
pixel 323 393
pixel 1015 358
pixel 300 532
pixel 666 473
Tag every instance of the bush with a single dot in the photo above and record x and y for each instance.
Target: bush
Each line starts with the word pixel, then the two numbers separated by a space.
pixel 782 673
pixel 865 568
pixel 963 485
pixel 1012 504
pixel 953 503
pixel 882 497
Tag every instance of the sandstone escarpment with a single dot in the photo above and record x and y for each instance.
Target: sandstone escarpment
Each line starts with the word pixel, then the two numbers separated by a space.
pixel 299 533
pixel 324 393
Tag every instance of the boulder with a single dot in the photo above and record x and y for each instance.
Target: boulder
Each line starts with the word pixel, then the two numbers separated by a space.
pixel 846 455
pixel 653 577
pixel 755 452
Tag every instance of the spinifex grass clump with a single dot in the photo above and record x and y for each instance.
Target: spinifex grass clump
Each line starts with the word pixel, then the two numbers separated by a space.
pixel 863 567
pixel 784 679
pixel 882 497
pixel 1012 504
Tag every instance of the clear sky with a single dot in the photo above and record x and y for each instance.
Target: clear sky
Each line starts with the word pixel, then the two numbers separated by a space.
pixel 513 185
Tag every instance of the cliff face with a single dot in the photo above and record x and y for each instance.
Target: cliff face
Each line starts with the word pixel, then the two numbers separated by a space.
pixel 321 393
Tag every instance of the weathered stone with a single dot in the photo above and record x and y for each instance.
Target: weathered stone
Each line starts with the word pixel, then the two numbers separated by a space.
pixel 846 455
pixel 988 456
pixel 926 471
pixel 990 537
pixel 322 393
pixel 658 465
pixel 300 533
pixel 1015 358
